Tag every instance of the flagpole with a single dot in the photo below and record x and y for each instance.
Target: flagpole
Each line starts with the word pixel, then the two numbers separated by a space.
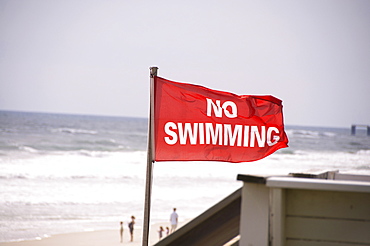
pixel 150 160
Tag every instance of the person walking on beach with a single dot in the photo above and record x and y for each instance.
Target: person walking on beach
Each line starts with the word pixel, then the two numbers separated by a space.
pixel 161 230
pixel 131 227
pixel 121 231
pixel 174 219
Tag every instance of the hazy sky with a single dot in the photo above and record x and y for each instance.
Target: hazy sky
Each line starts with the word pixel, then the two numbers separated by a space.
pixel 93 57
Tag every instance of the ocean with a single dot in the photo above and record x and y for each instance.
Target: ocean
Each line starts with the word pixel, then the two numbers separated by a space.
pixel 73 173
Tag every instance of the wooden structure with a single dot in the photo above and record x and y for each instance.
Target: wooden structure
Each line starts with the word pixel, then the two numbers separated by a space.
pixel 333 211
pixel 353 129
pixel 330 209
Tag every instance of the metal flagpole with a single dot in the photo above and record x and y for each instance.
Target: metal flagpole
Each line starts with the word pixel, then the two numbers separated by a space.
pixel 149 167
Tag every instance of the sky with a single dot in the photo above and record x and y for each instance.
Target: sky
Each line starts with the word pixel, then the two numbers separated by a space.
pixel 93 56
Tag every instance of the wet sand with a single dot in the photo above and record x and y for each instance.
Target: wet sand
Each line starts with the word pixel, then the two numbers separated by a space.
pixel 95 238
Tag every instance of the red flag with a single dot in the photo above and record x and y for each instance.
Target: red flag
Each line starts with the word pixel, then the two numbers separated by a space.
pixel 194 123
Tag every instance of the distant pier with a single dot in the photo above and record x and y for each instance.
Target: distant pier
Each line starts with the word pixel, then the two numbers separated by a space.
pixel 353 129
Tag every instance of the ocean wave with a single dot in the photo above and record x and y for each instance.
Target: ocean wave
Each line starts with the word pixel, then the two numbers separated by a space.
pixel 28 149
pixel 90 177
pixel 301 152
pixel 93 153
pixel 65 177
pixel 355 144
pixel 75 131
pixel 107 142
pixel 13 176
pixel 98 142
pixel 310 134
pixel 363 152
pixel 285 152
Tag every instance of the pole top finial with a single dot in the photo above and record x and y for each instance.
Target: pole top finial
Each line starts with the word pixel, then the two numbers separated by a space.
pixel 153 71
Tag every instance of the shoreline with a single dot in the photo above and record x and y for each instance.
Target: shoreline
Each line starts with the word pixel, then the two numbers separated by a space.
pixel 96 238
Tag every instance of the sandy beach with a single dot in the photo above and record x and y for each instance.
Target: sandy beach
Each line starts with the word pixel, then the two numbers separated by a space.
pixel 96 238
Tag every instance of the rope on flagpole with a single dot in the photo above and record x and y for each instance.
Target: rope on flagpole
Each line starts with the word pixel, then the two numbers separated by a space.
pixel 150 160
